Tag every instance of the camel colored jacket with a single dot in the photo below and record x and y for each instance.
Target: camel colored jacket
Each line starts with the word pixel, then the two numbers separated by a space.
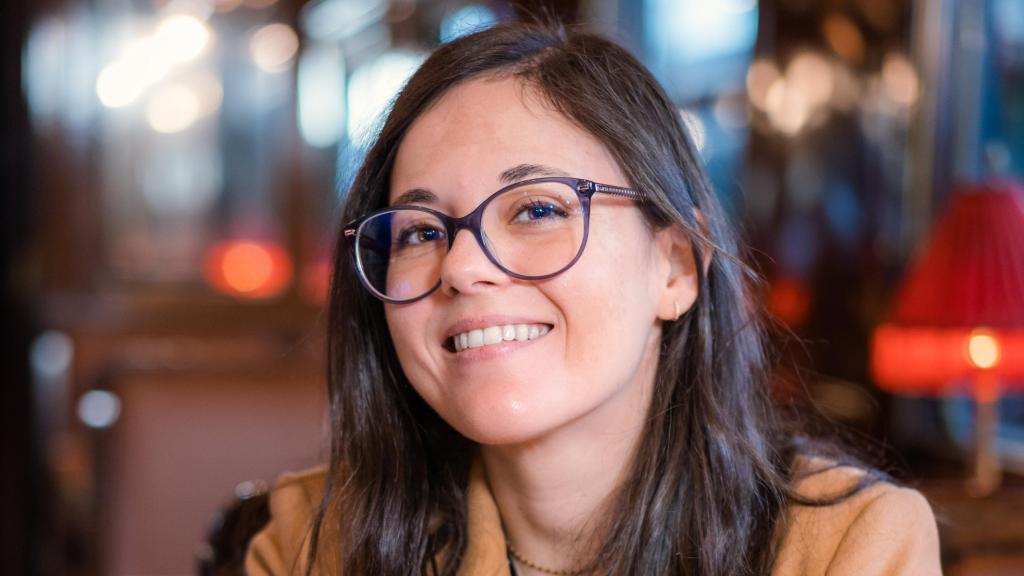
pixel 882 530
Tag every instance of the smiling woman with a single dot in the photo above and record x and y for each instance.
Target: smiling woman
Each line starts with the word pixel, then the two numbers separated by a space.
pixel 544 355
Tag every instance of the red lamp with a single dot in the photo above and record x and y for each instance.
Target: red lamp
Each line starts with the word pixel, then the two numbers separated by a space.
pixel 959 313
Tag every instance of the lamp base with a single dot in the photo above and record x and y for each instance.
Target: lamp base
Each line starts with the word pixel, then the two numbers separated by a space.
pixel 987 472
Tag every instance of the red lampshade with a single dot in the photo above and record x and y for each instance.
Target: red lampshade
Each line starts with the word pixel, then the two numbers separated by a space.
pixel 960 310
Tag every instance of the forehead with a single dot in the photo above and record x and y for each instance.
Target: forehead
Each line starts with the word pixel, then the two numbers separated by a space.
pixel 461 145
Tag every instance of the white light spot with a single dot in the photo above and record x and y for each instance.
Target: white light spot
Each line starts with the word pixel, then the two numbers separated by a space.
pixel 983 349
pixel 787 109
pixel 248 489
pixel 899 80
pixel 201 9
pixel 117 85
pixel 811 75
pixel 181 37
pixel 321 97
pixel 51 354
pixel 273 47
pixel 373 85
pixel 173 108
pixel 99 408
pixel 761 75
pixel 208 89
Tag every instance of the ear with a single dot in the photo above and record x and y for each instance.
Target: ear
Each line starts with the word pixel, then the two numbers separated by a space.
pixel 679 281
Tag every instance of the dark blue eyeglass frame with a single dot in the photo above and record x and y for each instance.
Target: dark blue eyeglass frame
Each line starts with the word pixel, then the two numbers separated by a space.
pixel 585 190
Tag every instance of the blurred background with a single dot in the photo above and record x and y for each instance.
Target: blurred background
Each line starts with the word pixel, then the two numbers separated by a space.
pixel 173 171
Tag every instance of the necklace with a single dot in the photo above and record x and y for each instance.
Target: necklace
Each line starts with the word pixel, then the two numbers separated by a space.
pixel 513 554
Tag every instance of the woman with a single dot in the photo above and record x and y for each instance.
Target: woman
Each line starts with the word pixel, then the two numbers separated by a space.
pixel 570 377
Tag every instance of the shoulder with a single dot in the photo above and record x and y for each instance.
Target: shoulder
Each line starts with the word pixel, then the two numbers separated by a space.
pixel 880 529
pixel 280 548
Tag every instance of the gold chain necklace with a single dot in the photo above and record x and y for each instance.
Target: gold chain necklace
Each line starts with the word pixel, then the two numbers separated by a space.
pixel 528 564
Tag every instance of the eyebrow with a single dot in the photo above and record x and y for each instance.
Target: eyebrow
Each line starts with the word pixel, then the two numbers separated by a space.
pixel 509 176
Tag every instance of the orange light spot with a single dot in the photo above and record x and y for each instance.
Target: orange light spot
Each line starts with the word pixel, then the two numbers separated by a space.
pixel 790 301
pixel 249 269
pixel 247 266
pixel 983 349
pixel 844 38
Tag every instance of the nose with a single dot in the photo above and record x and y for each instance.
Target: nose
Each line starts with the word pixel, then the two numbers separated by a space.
pixel 467 269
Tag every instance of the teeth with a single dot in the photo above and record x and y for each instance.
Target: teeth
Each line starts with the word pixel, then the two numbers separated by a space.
pixel 492 335
pixel 497 334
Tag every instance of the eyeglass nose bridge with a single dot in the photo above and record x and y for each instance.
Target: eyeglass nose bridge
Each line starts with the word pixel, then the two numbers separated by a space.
pixel 473 222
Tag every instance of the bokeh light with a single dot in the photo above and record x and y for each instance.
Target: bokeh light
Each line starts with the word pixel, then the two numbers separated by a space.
pixel 465 20
pixel 147 60
pixel 173 108
pixel 787 108
pixel 373 85
pixel 321 95
pixel 844 38
pixel 811 74
pixel 983 349
pixel 761 75
pixel 248 269
pixel 52 353
pixel 99 408
pixel 899 79
pixel 273 47
pixel 117 85
pixel 181 37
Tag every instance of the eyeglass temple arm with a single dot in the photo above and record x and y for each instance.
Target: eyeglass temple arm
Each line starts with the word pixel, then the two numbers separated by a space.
pixel 619 191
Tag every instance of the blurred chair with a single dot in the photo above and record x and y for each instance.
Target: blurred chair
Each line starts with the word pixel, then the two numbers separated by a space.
pixel 232 529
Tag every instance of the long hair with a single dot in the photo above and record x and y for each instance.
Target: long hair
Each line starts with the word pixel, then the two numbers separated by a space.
pixel 710 478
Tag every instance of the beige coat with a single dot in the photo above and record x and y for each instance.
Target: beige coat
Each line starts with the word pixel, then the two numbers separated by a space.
pixel 883 530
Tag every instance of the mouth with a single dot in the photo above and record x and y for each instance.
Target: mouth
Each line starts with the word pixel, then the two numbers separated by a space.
pixel 497 334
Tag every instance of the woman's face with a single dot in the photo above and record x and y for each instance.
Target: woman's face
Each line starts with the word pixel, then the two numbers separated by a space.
pixel 595 365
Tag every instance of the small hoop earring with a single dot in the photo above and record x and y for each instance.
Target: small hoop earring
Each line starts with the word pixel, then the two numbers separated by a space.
pixel 679 311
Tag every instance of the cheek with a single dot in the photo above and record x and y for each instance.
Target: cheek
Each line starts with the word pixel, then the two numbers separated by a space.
pixel 618 278
pixel 610 306
pixel 407 325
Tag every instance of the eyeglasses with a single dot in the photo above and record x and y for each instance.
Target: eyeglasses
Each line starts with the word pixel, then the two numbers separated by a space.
pixel 531 230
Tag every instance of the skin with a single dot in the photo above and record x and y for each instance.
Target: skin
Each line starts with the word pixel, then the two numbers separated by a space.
pixel 558 419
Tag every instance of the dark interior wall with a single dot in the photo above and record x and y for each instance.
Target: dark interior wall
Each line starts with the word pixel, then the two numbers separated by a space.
pixel 17 465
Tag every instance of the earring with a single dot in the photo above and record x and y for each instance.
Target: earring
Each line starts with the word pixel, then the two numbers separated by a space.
pixel 679 311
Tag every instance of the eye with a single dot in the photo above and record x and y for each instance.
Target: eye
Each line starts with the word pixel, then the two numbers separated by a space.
pixel 419 234
pixel 536 210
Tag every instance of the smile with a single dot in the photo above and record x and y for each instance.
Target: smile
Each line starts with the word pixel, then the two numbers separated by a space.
pixel 496 335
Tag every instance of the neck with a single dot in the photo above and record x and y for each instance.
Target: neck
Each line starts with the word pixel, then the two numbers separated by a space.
pixel 552 490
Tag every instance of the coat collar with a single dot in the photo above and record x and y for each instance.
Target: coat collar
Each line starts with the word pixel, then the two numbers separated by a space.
pixel 486 551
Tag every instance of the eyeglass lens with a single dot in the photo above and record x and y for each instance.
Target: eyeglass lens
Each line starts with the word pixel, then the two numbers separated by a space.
pixel 533 230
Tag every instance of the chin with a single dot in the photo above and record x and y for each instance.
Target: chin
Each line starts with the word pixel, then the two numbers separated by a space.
pixel 498 424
